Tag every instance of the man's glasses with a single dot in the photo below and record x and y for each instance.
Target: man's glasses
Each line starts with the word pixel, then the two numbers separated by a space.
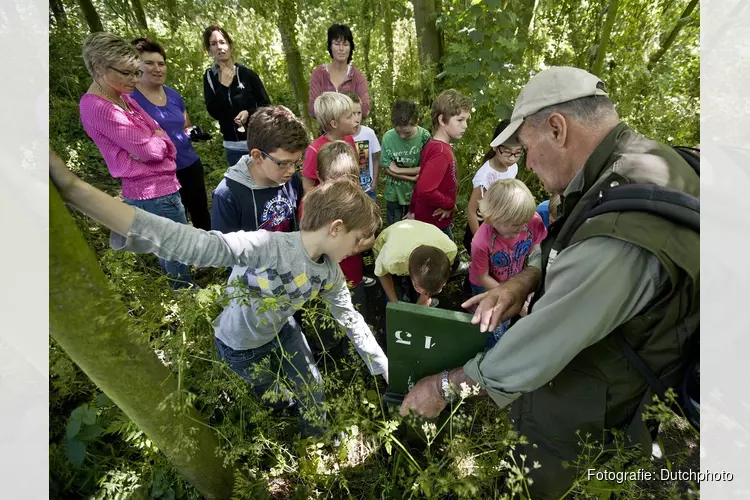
pixel 128 74
pixel 284 163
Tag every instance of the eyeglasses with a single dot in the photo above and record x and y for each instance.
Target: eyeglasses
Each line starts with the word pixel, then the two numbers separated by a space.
pixel 128 74
pixel 509 155
pixel 284 163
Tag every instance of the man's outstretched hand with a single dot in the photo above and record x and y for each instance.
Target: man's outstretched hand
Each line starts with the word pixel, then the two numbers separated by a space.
pixel 424 399
pixel 504 301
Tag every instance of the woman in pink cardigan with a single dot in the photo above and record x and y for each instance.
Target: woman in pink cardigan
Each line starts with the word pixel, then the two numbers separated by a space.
pixel 132 144
pixel 339 75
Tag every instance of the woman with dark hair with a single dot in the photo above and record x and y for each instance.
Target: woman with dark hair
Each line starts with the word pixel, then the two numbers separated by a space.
pixel 232 92
pixel 339 75
pixel 498 163
pixel 134 147
pixel 166 106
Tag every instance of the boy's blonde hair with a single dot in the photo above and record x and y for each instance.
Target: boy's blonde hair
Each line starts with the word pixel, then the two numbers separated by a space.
pixel 554 203
pixel 449 103
pixel 508 201
pixel 331 106
pixel 340 199
pixel 337 159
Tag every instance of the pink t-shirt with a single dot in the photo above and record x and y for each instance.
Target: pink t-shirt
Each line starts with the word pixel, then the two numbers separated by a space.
pixel 507 256
pixel 143 160
pixel 310 165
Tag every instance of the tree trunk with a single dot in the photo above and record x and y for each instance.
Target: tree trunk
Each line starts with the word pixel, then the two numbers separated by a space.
pixel 58 12
pixel 92 17
pixel 425 17
pixel 604 38
pixel 388 35
pixel 140 15
pixel 94 329
pixel 172 15
pixel 667 43
pixel 287 18
pixel 367 20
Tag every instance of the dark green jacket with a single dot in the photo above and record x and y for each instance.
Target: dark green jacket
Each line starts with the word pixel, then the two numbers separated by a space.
pixel 599 390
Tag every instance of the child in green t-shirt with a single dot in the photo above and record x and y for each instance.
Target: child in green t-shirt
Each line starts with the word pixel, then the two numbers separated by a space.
pixel 401 150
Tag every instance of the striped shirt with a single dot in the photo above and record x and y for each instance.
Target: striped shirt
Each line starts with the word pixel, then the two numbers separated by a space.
pixel 144 161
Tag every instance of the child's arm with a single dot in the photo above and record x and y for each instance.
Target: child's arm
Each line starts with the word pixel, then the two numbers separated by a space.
pixel 386 281
pixel 309 169
pixel 487 281
pixel 403 170
pixel 340 303
pixel 471 209
pixel 375 170
pixel 141 232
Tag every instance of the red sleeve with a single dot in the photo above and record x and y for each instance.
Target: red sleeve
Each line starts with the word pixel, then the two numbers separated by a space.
pixel 350 141
pixel 360 87
pixel 434 170
pixel 316 87
pixel 538 231
pixel 310 165
pixel 480 251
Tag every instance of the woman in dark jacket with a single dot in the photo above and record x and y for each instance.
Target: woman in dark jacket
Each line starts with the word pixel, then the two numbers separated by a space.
pixel 232 92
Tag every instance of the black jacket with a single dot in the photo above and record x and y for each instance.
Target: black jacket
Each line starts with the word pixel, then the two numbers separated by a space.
pixel 246 92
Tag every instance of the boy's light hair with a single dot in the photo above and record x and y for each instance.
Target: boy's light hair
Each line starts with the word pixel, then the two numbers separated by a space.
pixel 508 201
pixel 340 199
pixel 337 159
pixel 331 106
pixel 429 268
pixel 554 203
pixel 102 49
pixel 449 103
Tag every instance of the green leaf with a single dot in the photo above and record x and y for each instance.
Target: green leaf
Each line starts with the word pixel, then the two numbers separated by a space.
pixel 74 425
pixel 90 432
pixel 76 452
pixel 103 400
pixel 89 416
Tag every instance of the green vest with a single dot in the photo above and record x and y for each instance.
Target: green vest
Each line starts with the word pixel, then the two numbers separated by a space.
pixel 599 390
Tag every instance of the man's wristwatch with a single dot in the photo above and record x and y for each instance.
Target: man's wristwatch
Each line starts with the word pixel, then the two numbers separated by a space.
pixel 447 393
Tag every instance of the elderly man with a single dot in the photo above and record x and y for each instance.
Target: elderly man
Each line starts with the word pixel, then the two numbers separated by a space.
pixel 629 272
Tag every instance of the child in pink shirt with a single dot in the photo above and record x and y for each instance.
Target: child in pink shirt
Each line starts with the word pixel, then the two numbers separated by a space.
pixel 510 231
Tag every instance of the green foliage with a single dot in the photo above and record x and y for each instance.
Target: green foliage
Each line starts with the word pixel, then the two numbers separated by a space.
pixel 491 48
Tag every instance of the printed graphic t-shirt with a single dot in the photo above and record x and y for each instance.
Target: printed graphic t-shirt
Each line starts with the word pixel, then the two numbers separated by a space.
pixel 367 145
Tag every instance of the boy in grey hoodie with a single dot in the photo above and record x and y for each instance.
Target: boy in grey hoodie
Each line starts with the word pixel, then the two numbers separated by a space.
pixel 262 191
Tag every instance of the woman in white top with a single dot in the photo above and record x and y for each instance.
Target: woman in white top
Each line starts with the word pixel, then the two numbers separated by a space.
pixel 498 163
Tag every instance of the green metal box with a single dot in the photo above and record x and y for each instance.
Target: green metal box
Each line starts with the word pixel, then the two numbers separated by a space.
pixel 425 340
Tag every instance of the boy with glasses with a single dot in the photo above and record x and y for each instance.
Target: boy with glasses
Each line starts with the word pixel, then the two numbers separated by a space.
pixel 263 189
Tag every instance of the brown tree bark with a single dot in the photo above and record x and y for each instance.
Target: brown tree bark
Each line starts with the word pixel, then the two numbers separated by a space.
pixel 388 36
pixel 430 44
pixel 140 14
pixel 287 18
pixel 92 17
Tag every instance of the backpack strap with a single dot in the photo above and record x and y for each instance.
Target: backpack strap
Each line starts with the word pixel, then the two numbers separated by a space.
pixel 691 156
pixel 640 366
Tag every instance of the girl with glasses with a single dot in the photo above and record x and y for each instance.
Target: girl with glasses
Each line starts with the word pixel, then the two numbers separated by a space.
pixel 498 163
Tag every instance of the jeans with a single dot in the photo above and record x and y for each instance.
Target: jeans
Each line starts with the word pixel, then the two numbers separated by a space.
pixel 394 212
pixel 233 156
pixel 448 232
pixel 326 337
pixel 371 194
pixel 169 207
pixel 193 194
pixel 499 330
pixel 301 382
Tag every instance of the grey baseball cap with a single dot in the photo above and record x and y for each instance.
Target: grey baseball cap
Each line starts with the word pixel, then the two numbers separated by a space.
pixel 554 85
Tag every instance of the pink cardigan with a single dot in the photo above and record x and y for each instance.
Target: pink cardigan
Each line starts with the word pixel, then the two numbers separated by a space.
pixel 320 81
pixel 144 161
